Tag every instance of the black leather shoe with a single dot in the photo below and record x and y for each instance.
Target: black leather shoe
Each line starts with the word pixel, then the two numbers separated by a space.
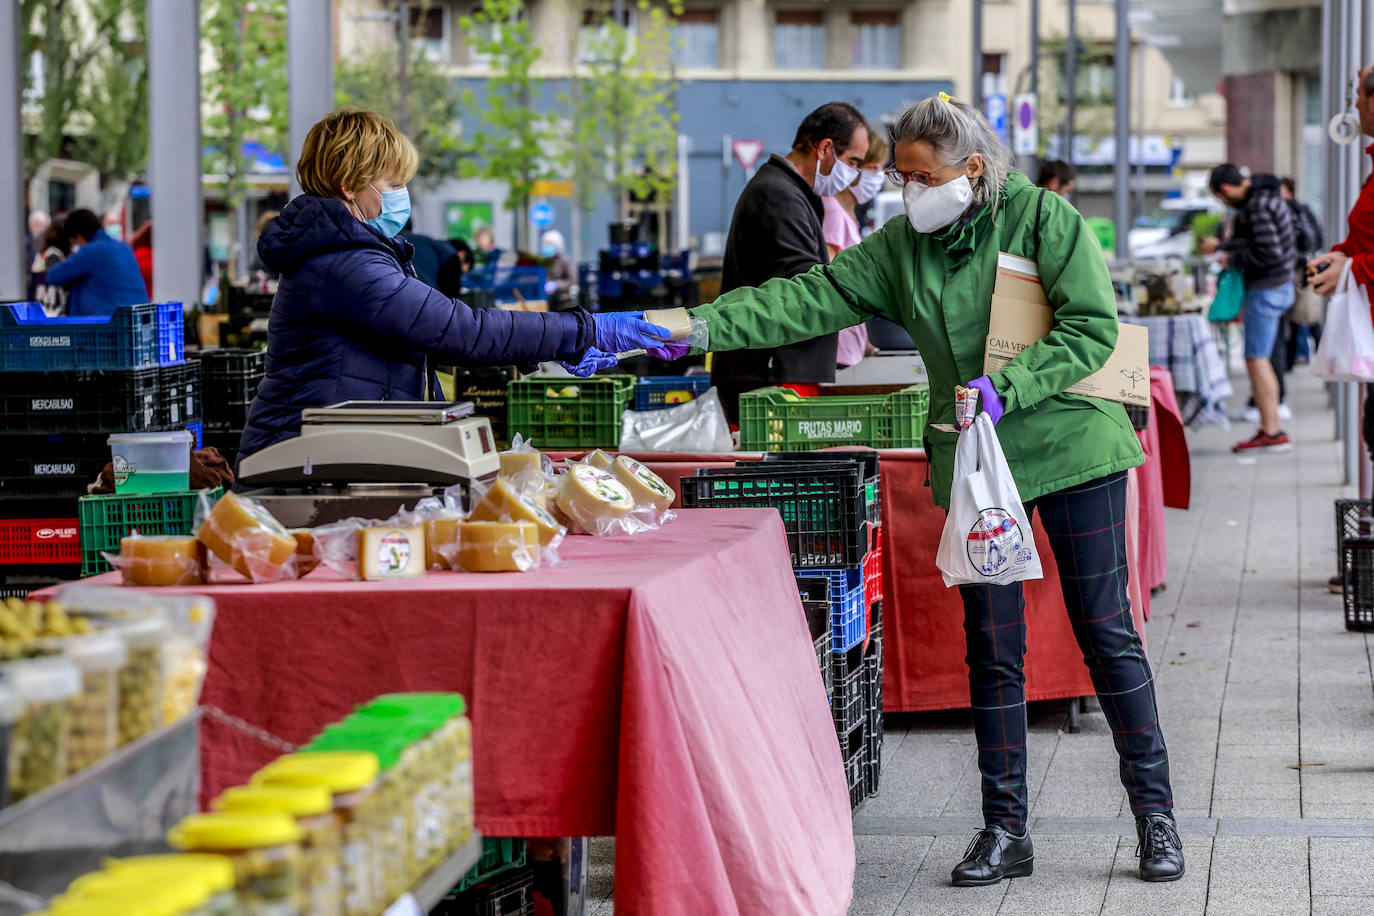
pixel 1160 849
pixel 993 855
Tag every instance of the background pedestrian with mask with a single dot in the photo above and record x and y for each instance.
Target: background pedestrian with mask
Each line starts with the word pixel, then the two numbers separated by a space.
pixel 776 232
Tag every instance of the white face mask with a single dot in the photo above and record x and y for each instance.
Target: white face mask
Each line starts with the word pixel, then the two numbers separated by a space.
pixel 841 176
pixel 870 183
pixel 932 209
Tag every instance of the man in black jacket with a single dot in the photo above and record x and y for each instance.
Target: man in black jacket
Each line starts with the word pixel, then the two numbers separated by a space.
pixel 1263 248
pixel 776 232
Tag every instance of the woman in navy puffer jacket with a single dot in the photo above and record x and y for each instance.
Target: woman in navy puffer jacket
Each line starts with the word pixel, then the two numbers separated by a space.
pixel 350 321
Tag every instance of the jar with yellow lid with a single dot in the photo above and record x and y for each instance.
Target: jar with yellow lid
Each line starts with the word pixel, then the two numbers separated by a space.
pixel 321 848
pixel 216 874
pixel 183 893
pixel 86 906
pixel 265 850
pixel 351 778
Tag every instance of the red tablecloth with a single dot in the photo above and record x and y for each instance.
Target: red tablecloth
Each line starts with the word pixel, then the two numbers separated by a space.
pixel 1165 478
pixel 661 687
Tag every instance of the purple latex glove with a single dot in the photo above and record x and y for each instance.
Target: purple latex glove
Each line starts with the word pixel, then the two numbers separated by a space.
pixel 592 362
pixel 671 350
pixel 992 401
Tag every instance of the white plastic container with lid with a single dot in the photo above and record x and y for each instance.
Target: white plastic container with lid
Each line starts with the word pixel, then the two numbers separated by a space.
pixel 93 720
pixel 38 741
pixel 10 708
pixel 140 679
pixel 151 462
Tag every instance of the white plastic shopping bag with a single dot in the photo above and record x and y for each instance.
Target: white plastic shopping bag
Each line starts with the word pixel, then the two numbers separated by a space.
pixel 1346 352
pixel 987 538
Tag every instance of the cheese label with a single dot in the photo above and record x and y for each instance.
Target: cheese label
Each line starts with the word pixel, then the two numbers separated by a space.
pixel 648 478
pixel 393 553
pixel 602 485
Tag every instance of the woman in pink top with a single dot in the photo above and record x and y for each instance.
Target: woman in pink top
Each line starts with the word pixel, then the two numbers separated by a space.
pixel 841 230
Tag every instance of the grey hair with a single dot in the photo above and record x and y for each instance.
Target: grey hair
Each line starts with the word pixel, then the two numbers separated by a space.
pixel 957 131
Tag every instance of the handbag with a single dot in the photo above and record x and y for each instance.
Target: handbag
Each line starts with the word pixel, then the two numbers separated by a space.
pixel 1346 351
pixel 1308 308
pixel 1230 293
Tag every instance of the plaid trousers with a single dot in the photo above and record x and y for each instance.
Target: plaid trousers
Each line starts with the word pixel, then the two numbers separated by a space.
pixel 1086 525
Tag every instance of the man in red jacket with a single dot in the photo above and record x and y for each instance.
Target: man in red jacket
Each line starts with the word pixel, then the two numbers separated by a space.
pixel 1358 247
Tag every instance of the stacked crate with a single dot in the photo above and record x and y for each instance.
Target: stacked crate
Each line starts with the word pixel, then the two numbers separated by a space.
pixel 830 504
pixel 230 379
pixel 65 385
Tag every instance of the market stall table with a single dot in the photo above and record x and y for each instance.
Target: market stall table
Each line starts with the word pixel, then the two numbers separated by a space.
pixel 661 688
pixel 1184 345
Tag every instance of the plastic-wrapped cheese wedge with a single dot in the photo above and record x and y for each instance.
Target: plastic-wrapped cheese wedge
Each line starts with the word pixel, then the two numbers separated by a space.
pixel 644 485
pixel 498 546
pixel 594 499
pixel 391 552
pixel 598 459
pixel 514 464
pixel 162 560
pixel 245 535
pixel 676 321
pixel 503 503
pixel 305 550
pixel 441 542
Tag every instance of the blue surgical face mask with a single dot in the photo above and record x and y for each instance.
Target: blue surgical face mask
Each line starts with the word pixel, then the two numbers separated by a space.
pixel 395 212
pixel 548 250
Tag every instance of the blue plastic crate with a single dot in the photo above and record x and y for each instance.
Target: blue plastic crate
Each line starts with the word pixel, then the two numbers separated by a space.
pixel 506 282
pixel 134 337
pixel 667 390
pixel 847 619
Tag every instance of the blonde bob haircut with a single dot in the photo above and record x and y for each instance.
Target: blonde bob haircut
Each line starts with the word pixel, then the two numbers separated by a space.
pixel 349 149
pixel 877 150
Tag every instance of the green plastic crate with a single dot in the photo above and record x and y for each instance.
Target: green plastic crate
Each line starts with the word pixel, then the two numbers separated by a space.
pixel 587 417
pixel 779 420
pixel 104 520
pixel 498 854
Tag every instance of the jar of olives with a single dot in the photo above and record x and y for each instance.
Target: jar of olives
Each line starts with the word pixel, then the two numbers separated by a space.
pixel 313 809
pixel 264 849
pixel 10 708
pixel 92 722
pixel 180 892
pixel 215 873
pixel 140 679
pixel 38 740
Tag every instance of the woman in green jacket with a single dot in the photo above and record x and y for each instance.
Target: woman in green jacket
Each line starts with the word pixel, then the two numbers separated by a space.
pixel 933 273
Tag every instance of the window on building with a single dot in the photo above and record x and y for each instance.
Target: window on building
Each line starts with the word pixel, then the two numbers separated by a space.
pixel 429 29
pixel 1179 96
pixel 877 39
pixel 799 40
pixel 994 74
pixel 1095 77
pixel 593 33
pixel 696 36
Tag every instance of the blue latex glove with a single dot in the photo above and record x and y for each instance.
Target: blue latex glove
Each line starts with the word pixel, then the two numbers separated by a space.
pixel 593 361
pixel 671 350
pixel 992 401
pixel 620 332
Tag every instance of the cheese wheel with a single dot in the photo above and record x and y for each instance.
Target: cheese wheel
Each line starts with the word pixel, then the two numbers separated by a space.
pixel 504 503
pixel 517 463
pixel 498 546
pixel 305 550
pixel 441 540
pixel 388 552
pixel 170 559
pixel 598 459
pixel 245 535
pixel 644 485
pixel 593 497
pixel 677 321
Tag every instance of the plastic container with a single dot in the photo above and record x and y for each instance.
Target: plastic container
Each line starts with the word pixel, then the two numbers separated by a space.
pixel 499 854
pixel 39 542
pixel 229 380
pixel 1354 518
pixel 38 740
pixel 776 419
pixel 93 719
pixel 569 412
pixel 134 337
pixel 264 848
pixel 140 680
pixel 852 749
pixel 867 460
pixel 873 707
pixel 11 707
pixel 351 777
pixel 179 893
pixel 179 396
pixel 105 520
pixel 151 462
pixel 1358 593
pixel 321 850
pixel 214 872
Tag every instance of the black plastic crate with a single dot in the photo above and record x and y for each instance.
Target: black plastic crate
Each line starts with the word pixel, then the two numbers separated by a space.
pixel 485 387
pixel 847 705
pixel 822 508
pixel 229 381
pixel 1354 518
pixel 868 462
pixel 852 747
pixel 1139 416
pixel 873 710
pixel 509 894
pixel 1358 578
pixel 51 464
pixel 100 401
pixel 179 396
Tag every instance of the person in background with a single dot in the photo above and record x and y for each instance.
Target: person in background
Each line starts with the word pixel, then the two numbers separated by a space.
pixel 1311 240
pixel 101 273
pixel 561 273
pixel 351 321
pixel 431 260
pixel 485 251
pixel 776 232
pixel 258 267
pixel 841 228
pixel 1263 247
pixel 142 244
pixel 38 222
pixel 1058 176
pixel 113 224
pixel 52 248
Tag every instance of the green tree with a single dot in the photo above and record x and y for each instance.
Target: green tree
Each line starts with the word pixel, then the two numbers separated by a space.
pixel 509 141
pixel 114 101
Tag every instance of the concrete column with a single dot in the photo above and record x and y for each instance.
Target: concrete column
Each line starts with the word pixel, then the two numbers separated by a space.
pixel 753 35
pixel 838 38
pixel 174 149
pixel 13 271
pixel 309 70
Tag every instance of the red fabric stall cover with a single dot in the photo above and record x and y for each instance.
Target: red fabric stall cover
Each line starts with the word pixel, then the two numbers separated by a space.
pixel 662 688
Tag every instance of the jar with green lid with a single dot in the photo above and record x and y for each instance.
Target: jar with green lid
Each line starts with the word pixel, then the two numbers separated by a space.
pixel 265 850
pixel 215 872
pixel 92 720
pixel 140 680
pixel 424 796
pixel 38 740
pixel 183 893
pixel 321 848
pixel 351 778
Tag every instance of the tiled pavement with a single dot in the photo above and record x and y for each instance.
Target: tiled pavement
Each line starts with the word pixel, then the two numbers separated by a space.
pixel 1268 710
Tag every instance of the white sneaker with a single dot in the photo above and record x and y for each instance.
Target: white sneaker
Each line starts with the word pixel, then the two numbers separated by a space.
pixel 1250 414
pixel 1285 412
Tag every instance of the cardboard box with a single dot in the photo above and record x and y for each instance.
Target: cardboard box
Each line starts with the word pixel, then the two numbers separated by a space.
pixel 1021 315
